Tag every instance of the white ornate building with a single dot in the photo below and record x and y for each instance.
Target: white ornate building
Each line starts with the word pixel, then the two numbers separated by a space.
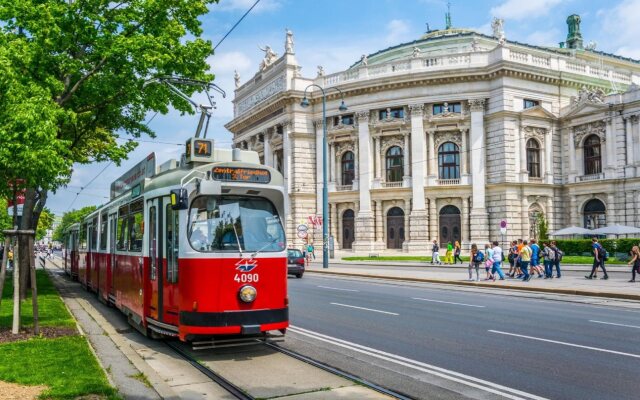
pixel 447 136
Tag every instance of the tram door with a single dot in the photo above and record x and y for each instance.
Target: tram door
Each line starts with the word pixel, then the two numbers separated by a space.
pixel 170 245
pixel 113 220
pixel 154 261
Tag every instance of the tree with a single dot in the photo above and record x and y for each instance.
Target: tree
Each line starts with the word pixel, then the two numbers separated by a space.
pixel 72 77
pixel 69 218
pixel 44 223
pixel 5 219
pixel 543 229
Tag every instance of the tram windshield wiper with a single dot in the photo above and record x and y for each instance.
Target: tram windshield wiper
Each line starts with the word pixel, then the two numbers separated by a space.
pixel 263 247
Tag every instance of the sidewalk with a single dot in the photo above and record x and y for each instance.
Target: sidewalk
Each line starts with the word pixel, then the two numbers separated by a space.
pixel 616 287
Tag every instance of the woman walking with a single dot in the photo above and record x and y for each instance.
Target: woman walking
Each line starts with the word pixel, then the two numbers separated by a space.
pixel 474 262
pixel 456 253
pixel 635 263
pixel 488 261
pixel 449 254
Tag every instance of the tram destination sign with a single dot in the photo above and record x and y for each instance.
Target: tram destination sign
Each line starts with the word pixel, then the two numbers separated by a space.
pixel 136 175
pixel 239 174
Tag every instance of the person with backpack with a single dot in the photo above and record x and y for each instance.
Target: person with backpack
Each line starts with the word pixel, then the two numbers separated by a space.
pixel 311 250
pixel 456 252
pixel 556 261
pixel 599 257
pixel 513 254
pixel 475 259
pixel 635 262
pixel 548 258
pixel 435 256
pixel 498 258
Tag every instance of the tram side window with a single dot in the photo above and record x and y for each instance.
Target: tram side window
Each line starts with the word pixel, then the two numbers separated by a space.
pixel 172 235
pixel 103 232
pixel 93 234
pixel 122 243
pixel 83 237
pixel 136 231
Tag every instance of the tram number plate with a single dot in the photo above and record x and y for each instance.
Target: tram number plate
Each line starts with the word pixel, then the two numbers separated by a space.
pixel 246 278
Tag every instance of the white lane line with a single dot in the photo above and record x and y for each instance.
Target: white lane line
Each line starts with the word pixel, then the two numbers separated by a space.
pixel 335 288
pixel 367 309
pixel 611 323
pixel 568 344
pixel 467 380
pixel 447 302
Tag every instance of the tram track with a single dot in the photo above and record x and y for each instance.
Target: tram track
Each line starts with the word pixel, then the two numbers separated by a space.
pixel 234 390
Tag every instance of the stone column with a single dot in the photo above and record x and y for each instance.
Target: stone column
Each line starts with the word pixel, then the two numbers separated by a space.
pixel 356 166
pixel 464 153
pixel 548 155
pixel 334 224
pixel 432 154
pixel 417 233
pixel 573 172
pixel 407 236
pixel 611 210
pixel 522 149
pixel 464 231
pixel 332 167
pixel 550 217
pixel 516 154
pixel 434 231
pixel 635 133
pixel 286 168
pixel 479 216
pixel 524 212
pixel 268 157
pixel 364 222
pixel 573 211
pixel 630 146
pixel 379 226
pixel 407 156
pixel 609 147
pixel 319 171
pixel 376 140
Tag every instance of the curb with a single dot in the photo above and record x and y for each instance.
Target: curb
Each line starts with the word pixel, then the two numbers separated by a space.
pixel 414 264
pixel 575 292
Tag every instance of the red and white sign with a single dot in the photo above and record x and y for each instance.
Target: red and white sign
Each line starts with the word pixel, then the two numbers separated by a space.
pixel 20 201
pixel 315 220
pixel 302 234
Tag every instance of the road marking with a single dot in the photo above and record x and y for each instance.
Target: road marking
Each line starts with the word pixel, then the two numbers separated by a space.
pixel 367 309
pixel 458 377
pixel 568 344
pixel 611 323
pixel 447 302
pixel 335 288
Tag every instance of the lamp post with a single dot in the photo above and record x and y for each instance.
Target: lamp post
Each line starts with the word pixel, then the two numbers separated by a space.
pixel 325 194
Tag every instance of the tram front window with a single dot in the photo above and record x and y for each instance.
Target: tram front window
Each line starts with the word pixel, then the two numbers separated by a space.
pixel 233 223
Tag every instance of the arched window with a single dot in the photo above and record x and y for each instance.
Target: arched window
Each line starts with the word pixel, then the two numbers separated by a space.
pixel 348 168
pixel 449 161
pixel 533 158
pixel 395 162
pixel 594 214
pixel 592 155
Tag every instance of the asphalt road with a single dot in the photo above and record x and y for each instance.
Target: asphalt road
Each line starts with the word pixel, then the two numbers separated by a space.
pixel 429 342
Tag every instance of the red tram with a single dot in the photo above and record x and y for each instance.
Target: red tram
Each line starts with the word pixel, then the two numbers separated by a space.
pixel 194 251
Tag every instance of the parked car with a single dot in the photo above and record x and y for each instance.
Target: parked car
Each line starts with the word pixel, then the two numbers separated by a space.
pixel 295 263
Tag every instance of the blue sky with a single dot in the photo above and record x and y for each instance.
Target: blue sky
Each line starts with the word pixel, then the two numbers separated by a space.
pixel 335 34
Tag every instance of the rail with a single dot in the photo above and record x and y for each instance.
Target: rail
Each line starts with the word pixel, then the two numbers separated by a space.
pixel 391 184
pixel 448 182
pixel 344 188
pixel 590 177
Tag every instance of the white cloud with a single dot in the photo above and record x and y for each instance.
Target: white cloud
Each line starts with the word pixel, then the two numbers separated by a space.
pixel 620 29
pixel 547 38
pixel 236 5
pixel 521 9
pixel 229 62
pixel 397 31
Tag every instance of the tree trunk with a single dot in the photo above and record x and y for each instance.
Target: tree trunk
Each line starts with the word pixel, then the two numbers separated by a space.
pixel 3 267
pixel 34 292
pixel 15 329
pixel 34 202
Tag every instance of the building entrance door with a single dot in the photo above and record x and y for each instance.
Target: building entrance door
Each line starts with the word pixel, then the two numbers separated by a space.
pixel 347 229
pixel 449 225
pixel 395 228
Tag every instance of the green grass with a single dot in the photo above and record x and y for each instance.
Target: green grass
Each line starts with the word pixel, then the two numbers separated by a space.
pixel 427 259
pixel 66 365
pixel 51 309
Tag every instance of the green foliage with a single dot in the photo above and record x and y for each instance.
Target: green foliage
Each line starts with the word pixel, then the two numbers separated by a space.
pixel 44 223
pixel 579 247
pixel 70 218
pixel 5 219
pixel 543 229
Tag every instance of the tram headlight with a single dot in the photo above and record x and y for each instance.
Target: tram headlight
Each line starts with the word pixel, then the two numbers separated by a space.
pixel 247 293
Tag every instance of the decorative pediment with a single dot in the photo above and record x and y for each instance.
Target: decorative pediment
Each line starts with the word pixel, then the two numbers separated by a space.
pixel 447 136
pixel 343 147
pixel 585 108
pixel 390 141
pixel 584 130
pixel 537 112
pixel 535 132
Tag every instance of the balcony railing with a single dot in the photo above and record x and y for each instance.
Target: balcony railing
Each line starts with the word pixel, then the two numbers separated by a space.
pixel 447 182
pixel 344 188
pixel 391 184
pixel 591 177
pixel 533 179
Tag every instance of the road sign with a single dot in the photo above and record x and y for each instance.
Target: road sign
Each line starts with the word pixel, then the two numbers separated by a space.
pixel 503 224
pixel 503 231
pixel 315 220
pixel 302 228
pixel 302 234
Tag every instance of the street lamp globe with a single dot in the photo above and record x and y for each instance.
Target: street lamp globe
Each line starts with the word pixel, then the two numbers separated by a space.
pixel 304 103
pixel 342 107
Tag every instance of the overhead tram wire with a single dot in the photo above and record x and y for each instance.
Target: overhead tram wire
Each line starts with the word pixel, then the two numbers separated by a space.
pixel 236 24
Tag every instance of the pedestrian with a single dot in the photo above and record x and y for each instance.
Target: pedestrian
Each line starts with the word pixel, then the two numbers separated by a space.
pixel 599 256
pixel 525 259
pixel 10 258
pixel 513 254
pixel 488 261
pixel 519 246
pixel 634 263
pixel 449 254
pixel 557 259
pixel 548 257
pixel 498 258
pixel 456 252
pixel 435 256
pixel 475 259
pixel 311 250
pixel 535 257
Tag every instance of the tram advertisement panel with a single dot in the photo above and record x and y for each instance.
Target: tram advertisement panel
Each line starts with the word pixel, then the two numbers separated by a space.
pixel 144 169
pixel 237 174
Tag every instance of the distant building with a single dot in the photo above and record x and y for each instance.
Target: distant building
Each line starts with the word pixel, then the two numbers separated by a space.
pixel 447 136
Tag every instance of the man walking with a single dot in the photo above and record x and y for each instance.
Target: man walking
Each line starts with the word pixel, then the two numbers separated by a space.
pixel 598 259
pixel 556 261
pixel 435 257
pixel 525 258
pixel 497 261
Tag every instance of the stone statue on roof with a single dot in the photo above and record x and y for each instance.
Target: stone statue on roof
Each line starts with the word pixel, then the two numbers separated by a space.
pixel 320 70
pixel 497 25
pixel 474 45
pixel 416 52
pixel 236 78
pixel 364 60
pixel 269 57
pixel 288 43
